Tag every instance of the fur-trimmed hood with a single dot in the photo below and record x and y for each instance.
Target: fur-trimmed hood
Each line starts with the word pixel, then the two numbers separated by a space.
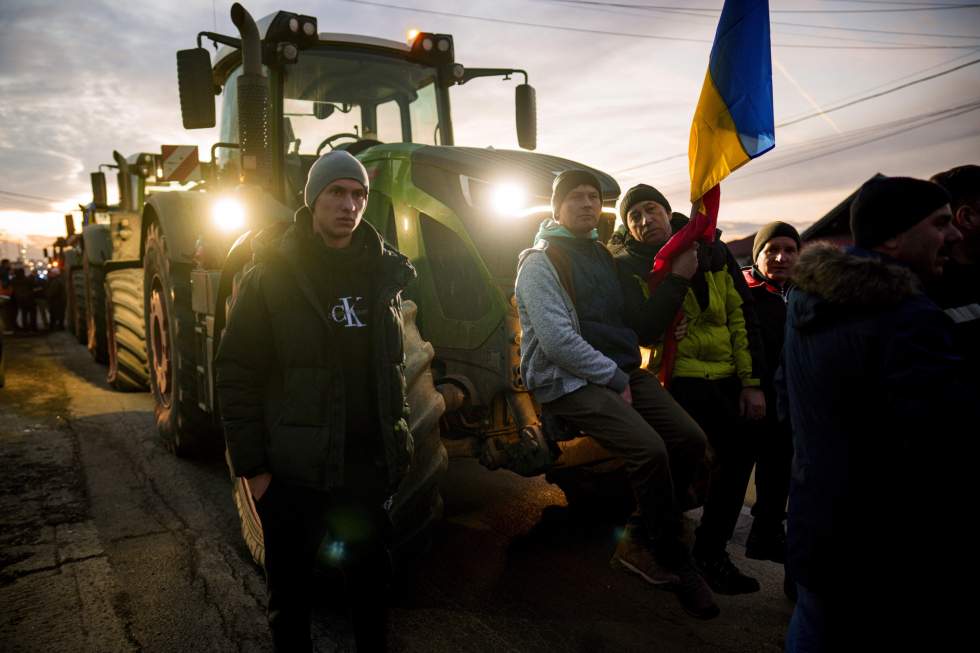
pixel 854 277
pixel 830 281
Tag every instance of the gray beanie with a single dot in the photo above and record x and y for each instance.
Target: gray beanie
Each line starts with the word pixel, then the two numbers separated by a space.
pixel 329 168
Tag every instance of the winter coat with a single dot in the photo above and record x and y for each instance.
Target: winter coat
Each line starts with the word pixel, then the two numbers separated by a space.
pixel 877 398
pixel 280 382
pixel 722 338
pixel 769 302
pixel 556 358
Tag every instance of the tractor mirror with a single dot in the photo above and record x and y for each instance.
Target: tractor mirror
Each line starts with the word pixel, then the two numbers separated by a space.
pixel 323 110
pixel 195 83
pixel 527 117
pixel 98 190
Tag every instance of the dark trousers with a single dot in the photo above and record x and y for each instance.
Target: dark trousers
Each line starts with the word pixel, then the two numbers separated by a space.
pixel 714 405
pixel 659 443
pixel 774 457
pixel 306 528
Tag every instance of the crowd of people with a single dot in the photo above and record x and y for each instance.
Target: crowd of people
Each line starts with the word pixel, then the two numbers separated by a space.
pixel 31 301
pixel 835 372
pixel 843 376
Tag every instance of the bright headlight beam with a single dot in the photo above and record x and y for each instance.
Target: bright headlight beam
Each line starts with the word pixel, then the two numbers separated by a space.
pixel 228 214
pixel 508 199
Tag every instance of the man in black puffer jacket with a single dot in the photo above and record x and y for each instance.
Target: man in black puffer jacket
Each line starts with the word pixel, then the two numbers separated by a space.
pixel 879 403
pixel 311 387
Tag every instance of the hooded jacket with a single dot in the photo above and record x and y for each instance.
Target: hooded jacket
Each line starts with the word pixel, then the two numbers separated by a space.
pixel 280 379
pixel 874 389
pixel 558 353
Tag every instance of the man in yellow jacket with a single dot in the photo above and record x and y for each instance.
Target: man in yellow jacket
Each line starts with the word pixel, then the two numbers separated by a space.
pixel 717 373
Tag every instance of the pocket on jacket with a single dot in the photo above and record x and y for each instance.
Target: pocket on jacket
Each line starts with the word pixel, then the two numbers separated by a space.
pixel 304 392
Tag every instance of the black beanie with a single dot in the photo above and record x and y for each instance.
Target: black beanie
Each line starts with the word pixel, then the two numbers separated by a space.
pixel 770 231
pixel 887 206
pixel 641 193
pixel 566 182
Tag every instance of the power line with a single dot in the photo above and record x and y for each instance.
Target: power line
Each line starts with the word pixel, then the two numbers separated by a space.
pixel 894 80
pixel 877 95
pixel 27 197
pixel 709 10
pixel 694 14
pixel 819 113
pixel 827 146
pixel 656 37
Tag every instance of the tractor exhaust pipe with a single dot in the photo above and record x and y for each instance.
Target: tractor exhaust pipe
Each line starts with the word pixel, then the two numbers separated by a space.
pixel 253 103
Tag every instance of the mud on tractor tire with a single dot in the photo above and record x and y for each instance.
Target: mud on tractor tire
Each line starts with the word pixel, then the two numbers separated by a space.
pixel 95 312
pixel 418 501
pixel 169 322
pixel 126 330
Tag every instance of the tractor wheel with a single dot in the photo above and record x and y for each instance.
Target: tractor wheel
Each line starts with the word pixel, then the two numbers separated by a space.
pixel 169 323
pixel 78 317
pixel 418 501
pixel 95 312
pixel 126 330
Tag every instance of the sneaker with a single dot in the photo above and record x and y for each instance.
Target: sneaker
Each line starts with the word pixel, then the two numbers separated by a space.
pixel 694 594
pixel 724 577
pixel 637 558
pixel 766 544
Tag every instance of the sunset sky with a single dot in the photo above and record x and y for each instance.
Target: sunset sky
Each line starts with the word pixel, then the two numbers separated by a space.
pixel 617 82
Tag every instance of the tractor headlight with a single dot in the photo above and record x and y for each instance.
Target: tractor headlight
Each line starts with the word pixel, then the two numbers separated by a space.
pixel 228 214
pixel 508 199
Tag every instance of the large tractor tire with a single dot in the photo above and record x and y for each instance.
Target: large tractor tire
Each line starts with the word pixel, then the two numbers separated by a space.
pixel 418 501
pixel 126 331
pixel 95 312
pixel 79 318
pixel 169 322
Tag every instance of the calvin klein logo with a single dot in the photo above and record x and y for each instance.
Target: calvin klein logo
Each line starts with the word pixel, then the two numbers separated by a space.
pixel 344 313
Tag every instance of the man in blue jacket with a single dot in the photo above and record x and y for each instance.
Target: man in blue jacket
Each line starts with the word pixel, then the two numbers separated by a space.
pixel 580 357
pixel 875 394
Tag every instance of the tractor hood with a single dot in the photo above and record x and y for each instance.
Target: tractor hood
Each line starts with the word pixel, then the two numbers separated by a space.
pixel 529 170
pixel 499 197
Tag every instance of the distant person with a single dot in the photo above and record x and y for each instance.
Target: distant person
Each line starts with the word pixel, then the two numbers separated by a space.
pixel 958 292
pixel 884 416
pixel 8 306
pixel 774 253
pixel 311 384
pixel 580 357
pixel 23 287
pixel 718 371
pixel 57 298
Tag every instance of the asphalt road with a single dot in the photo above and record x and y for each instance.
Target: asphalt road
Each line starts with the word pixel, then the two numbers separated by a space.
pixel 109 543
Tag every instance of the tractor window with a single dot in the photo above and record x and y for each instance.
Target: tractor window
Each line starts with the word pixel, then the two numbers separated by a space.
pixel 425 118
pixel 389 122
pixel 461 287
pixel 329 93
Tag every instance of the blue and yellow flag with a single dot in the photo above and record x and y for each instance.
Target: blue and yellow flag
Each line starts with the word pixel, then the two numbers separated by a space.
pixel 733 122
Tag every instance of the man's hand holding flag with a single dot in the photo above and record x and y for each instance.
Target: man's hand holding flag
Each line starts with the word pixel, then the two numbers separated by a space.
pixel 733 123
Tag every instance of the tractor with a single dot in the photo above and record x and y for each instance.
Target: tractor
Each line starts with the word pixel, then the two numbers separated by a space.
pixel 461 214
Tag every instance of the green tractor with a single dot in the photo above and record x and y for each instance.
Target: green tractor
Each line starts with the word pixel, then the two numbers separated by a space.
pixel 107 289
pixel 461 214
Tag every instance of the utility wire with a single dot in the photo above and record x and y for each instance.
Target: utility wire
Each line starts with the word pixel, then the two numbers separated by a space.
pixel 877 95
pixel 655 37
pixel 809 152
pixel 708 10
pixel 789 24
pixel 819 113
pixel 27 197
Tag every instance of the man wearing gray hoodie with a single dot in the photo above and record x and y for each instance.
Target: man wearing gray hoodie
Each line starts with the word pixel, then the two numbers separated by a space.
pixel 583 321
